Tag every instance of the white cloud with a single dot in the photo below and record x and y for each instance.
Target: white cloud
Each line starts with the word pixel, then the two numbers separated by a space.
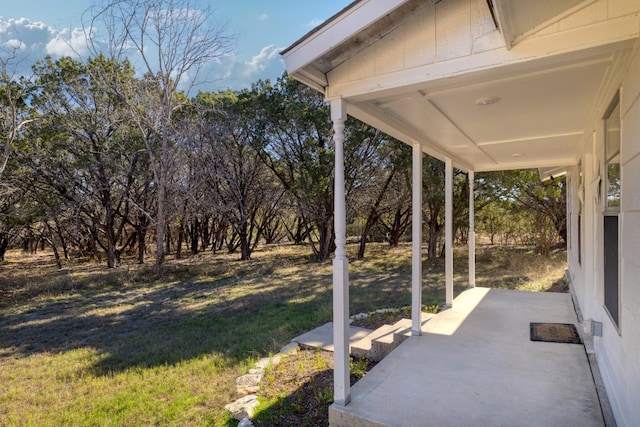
pixel 29 42
pixel 22 43
pixel 263 17
pixel 234 73
pixel 68 43
pixel 34 35
pixel 15 44
pixel 314 23
pixel 262 60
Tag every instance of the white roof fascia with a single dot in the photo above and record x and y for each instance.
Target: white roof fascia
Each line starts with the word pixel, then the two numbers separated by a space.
pixel 337 31
pixel 312 78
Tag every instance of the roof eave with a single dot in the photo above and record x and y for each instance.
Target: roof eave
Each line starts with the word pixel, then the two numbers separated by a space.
pixel 319 28
pixel 337 30
pixel 312 78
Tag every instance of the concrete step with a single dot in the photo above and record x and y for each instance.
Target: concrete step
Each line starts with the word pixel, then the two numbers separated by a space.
pixel 379 343
pixel 364 347
pixel 322 336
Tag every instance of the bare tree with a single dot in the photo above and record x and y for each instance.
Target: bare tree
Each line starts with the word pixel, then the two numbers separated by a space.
pixel 173 40
pixel 14 93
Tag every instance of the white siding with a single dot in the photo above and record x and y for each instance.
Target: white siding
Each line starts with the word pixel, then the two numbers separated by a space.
pixel 420 46
pixel 621 7
pixel 454 29
pixel 619 353
pixel 434 33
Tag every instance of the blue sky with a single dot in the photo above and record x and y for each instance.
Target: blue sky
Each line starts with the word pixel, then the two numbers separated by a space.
pixel 262 28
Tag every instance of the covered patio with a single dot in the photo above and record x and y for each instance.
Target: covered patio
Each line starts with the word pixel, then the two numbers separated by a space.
pixel 482 85
pixel 475 365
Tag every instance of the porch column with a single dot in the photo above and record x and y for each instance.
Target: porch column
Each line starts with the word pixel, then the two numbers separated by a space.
pixel 472 233
pixel 448 235
pixel 591 238
pixel 416 243
pixel 341 386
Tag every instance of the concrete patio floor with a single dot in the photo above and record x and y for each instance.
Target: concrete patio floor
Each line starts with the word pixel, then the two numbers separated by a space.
pixel 474 365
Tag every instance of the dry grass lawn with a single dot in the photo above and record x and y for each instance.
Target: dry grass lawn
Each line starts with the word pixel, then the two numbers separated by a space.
pixel 88 346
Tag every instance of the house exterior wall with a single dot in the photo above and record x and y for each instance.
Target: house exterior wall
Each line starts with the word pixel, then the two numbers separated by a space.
pixel 454 44
pixel 437 39
pixel 618 349
pixel 623 373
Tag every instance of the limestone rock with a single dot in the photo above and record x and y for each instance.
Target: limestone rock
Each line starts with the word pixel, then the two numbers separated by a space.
pixel 249 383
pixel 243 407
pixel 265 362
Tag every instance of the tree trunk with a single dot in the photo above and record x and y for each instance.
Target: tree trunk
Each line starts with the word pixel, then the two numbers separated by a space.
pixel 4 244
pixel 180 241
pixel 326 243
pixel 140 228
pixel 205 233
pixel 56 254
pixel 111 240
pixel 63 241
pixel 373 215
pixel 195 235
pixel 432 240
pixel 245 247
pixel 371 221
pixel 161 216
pixel 297 232
pixel 160 234
pixel 233 241
pixel 50 240
pixel 168 240
pixel 398 227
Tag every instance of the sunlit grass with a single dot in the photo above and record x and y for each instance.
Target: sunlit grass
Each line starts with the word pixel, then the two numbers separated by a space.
pixel 90 346
pixel 62 389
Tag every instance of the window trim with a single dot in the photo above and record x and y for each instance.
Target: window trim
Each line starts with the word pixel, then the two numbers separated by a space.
pixel 609 212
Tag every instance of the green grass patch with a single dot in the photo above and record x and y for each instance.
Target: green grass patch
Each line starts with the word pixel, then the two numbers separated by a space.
pixel 86 346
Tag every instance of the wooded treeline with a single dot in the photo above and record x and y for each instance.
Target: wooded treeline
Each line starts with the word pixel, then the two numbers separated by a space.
pixel 100 162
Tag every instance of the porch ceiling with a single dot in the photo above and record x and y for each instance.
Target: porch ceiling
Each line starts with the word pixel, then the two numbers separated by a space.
pixel 523 103
pixel 534 118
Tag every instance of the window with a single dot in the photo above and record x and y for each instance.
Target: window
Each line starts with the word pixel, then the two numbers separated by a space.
pixel 612 153
pixel 612 212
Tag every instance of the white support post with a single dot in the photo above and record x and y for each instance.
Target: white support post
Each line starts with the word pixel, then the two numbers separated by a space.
pixel 416 243
pixel 448 215
pixel 341 387
pixel 592 240
pixel 472 232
